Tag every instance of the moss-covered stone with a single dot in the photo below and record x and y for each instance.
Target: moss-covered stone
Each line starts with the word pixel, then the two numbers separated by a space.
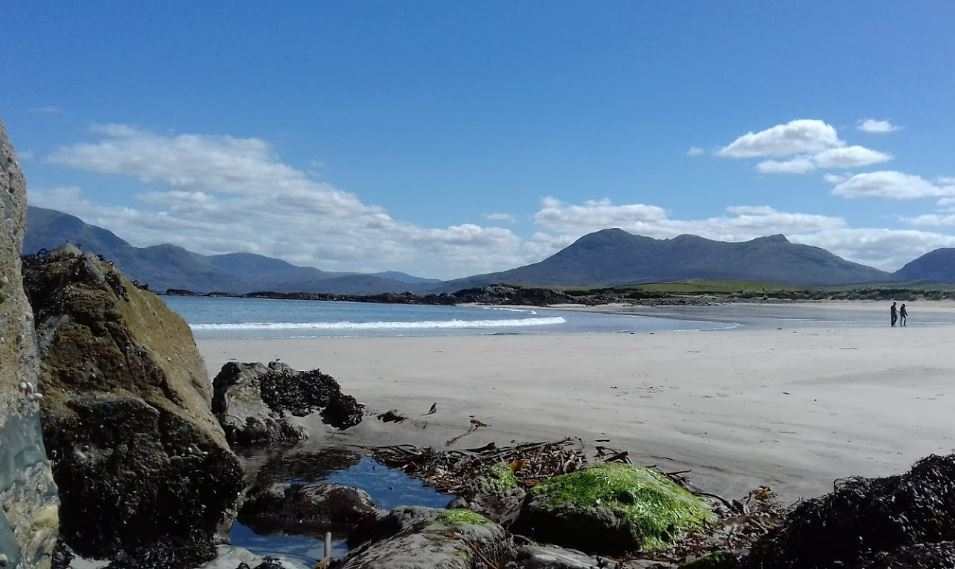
pixel 612 508
pixel 462 517
pixel 500 478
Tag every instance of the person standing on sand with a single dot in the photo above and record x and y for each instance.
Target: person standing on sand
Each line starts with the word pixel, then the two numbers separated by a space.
pixel 903 315
pixel 893 315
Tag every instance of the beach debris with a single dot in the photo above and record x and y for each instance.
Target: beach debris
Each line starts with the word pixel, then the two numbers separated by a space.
pixel 452 470
pixel 863 517
pixel 433 409
pixel 475 425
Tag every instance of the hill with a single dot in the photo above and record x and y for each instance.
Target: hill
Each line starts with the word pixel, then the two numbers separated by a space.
pixel 169 266
pixel 936 266
pixel 615 257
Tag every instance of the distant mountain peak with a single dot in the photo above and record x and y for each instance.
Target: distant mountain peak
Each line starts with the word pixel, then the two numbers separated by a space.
pixel 777 238
pixel 612 257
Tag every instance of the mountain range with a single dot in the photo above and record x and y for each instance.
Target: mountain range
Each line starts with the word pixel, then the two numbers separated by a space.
pixel 169 266
pixel 604 258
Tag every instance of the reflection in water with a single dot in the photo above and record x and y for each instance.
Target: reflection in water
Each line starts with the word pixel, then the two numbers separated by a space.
pixel 388 488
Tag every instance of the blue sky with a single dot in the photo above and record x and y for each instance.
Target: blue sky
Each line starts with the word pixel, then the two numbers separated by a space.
pixel 451 138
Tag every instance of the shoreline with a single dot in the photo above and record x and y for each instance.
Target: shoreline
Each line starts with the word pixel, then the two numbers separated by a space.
pixel 793 408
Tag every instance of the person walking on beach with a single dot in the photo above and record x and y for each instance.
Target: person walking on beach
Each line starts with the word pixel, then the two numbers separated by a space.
pixel 893 314
pixel 903 315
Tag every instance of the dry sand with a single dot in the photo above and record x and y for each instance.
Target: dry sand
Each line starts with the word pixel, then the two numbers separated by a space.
pixel 793 408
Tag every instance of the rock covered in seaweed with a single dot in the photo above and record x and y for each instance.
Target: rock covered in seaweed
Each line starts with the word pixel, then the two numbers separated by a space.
pixel 426 538
pixel 867 521
pixel 258 404
pixel 611 508
pixel 144 471
pixel 28 500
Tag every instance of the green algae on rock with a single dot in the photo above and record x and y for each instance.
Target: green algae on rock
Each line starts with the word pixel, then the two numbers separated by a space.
pixel 612 508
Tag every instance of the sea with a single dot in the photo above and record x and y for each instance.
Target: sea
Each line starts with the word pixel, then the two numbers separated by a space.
pixel 256 318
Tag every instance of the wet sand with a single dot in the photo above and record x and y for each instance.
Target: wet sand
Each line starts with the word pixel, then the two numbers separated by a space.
pixel 793 408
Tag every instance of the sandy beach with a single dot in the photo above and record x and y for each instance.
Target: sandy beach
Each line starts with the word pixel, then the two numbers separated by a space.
pixel 794 408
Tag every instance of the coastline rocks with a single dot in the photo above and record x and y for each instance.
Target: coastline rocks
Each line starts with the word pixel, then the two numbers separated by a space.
pixel 28 499
pixel 307 508
pixel 257 404
pixel 892 515
pixel 144 471
pixel 425 538
pixel 494 493
pixel 611 509
pixel 534 556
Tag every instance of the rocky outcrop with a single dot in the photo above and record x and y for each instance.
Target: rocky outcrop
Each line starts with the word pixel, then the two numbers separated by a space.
pixel 425 538
pixel 312 508
pixel 867 522
pixel 259 405
pixel 143 468
pixel 28 500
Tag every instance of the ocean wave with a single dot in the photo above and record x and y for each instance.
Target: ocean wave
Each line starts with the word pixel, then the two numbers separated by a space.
pixel 418 325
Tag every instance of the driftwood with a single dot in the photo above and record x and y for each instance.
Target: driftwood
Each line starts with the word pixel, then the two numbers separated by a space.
pixel 451 470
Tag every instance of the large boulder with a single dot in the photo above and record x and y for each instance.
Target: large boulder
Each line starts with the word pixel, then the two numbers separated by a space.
pixel 259 404
pixel 610 509
pixel 864 516
pixel 425 538
pixel 28 500
pixel 141 463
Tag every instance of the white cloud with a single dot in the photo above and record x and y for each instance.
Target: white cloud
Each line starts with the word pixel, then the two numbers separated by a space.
pixel 932 220
pixel 217 194
pixel 889 184
pixel 695 151
pixel 836 178
pixel 793 166
pixel 887 249
pixel 849 157
pixel 807 145
pixel 500 217
pixel 803 136
pixel 741 223
pixel 876 126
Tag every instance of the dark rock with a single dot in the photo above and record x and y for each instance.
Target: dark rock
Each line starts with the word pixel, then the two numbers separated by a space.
pixel 307 508
pixel 256 403
pixel 921 556
pixel 424 538
pixel 865 515
pixel 28 498
pixel 391 416
pixel 143 468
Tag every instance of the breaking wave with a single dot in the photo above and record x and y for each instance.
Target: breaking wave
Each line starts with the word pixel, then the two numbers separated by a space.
pixel 419 325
